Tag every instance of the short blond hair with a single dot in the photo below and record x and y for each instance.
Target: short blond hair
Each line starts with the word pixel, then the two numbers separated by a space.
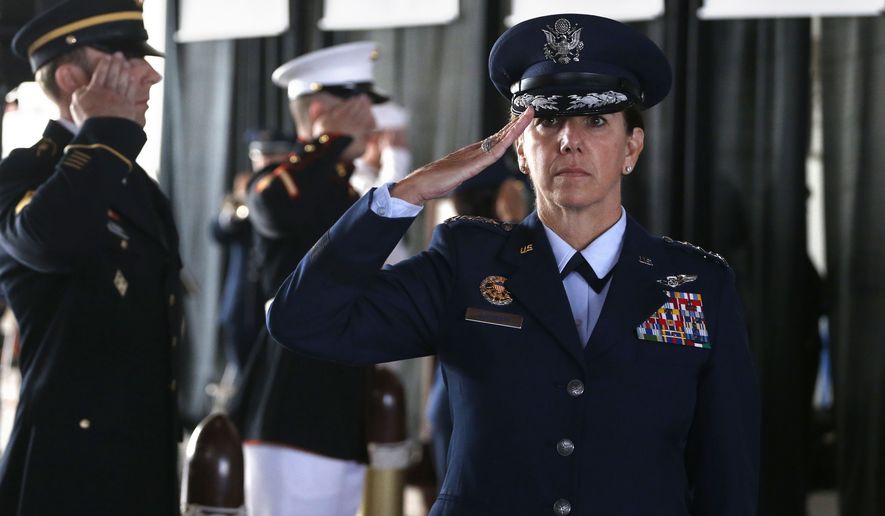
pixel 45 75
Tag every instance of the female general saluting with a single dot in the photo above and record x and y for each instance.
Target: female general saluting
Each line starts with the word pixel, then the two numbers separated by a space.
pixel 593 369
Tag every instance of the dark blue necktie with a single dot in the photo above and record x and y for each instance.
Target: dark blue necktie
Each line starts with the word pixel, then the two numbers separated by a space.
pixel 578 264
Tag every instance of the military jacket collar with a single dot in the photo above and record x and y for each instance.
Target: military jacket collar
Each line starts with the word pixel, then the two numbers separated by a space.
pixel 138 198
pixel 602 253
pixel 534 282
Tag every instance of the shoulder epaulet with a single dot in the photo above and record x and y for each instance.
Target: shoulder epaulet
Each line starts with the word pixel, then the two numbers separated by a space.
pixel 45 147
pixel 688 246
pixel 479 222
pixel 306 153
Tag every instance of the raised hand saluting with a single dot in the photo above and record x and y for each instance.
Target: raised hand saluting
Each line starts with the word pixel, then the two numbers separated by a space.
pixel 109 93
pixel 440 177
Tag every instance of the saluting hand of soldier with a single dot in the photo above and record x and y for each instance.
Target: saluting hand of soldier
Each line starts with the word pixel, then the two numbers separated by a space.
pixel 352 117
pixel 437 179
pixel 109 93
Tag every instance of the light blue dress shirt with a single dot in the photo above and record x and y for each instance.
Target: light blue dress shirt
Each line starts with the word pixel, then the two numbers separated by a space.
pixel 602 254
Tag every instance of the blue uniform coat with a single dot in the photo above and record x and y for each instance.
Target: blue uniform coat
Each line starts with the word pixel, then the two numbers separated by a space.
pixel 656 429
pixel 89 265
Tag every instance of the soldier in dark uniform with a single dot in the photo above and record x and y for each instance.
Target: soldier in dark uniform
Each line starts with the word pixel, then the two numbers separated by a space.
pixel 89 263
pixel 591 367
pixel 303 419
pixel 241 310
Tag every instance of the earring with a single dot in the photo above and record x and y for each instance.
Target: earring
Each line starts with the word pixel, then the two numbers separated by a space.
pixel 522 168
pixel 628 170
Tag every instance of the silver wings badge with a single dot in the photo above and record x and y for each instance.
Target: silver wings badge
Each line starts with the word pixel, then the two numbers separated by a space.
pixel 675 281
pixel 563 42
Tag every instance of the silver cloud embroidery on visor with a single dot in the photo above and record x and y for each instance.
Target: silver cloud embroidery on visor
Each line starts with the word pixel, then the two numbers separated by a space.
pixel 536 101
pixel 595 100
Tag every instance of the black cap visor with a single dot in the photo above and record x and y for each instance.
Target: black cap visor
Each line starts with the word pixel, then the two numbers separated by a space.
pixel 345 91
pixel 128 47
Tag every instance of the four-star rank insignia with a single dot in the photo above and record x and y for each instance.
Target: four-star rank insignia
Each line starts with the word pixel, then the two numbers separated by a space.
pixel 679 321
pixel 493 290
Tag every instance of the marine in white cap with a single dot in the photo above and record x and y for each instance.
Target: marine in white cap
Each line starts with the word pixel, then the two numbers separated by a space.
pixel 303 419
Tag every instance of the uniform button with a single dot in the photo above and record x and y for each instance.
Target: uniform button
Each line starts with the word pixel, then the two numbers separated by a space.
pixel 171 299
pixel 562 507
pixel 124 244
pixel 309 148
pixel 85 424
pixel 565 447
pixel 324 138
pixel 575 388
pixel 294 158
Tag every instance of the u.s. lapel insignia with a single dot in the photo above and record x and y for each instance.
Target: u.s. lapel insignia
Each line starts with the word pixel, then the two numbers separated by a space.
pixel 675 281
pixel 493 290
pixel 121 283
pixel 564 43
pixel 679 321
pixel 645 260
pixel 526 249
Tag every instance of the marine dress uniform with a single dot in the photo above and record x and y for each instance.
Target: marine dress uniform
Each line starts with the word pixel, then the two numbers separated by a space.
pixel 630 394
pixel 274 405
pixel 302 419
pixel 89 264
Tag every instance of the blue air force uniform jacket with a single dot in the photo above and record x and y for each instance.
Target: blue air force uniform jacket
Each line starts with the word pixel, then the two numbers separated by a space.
pixel 89 265
pixel 284 398
pixel 543 425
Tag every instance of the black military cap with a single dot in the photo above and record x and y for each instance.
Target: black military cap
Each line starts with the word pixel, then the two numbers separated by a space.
pixel 577 64
pixel 270 141
pixel 106 25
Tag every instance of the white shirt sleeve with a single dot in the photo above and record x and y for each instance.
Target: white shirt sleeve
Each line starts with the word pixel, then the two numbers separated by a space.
pixel 392 207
